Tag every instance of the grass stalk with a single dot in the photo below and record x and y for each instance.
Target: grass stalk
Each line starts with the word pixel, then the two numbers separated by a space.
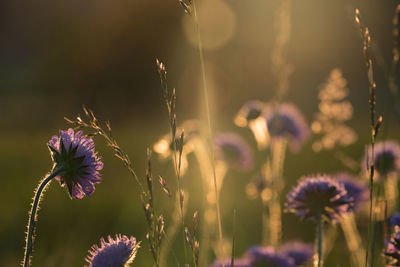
pixel 210 134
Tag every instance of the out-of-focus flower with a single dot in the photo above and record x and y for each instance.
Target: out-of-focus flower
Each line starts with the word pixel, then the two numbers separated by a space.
pixel 392 248
pixel 286 121
pixel 356 189
pixel 114 253
pixel 232 149
pixel 75 154
pixel 300 252
pixel 267 257
pixel 227 263
pixel 165 146
pixel 387 158
pixel 394 219
pixel 318 194
pixel 333 112
pixel 250 116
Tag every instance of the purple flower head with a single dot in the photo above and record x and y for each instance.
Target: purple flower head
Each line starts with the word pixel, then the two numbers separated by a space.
pixel 356 189
pixel 318 195
pixel 394 219
pixel 238 263
pixel 231 148
pixel 268 257
pixel 75 154
pixel 286 120
pixel 300 252
pixel 387 158
pixel 392 248
pixel 251 110
pixel 114 253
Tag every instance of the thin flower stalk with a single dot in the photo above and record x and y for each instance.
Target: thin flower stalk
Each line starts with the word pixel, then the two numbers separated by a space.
pixel 33 216
pixel 374 123
pixel 169 97
pixel 210 133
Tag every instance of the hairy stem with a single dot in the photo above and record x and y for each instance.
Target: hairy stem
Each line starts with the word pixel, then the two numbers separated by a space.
pixel 32 215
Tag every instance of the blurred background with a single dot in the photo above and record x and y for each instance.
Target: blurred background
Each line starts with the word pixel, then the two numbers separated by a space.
pixel 57 55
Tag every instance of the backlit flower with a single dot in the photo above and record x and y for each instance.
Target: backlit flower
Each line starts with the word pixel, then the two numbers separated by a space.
pixel 74 153
pixel 232 149
pixel 250 115
pixel 392 248
pixel 268 257
pixel 286 121
pixel 114 253
pixel 300 252
pixel 318 195
pixel 394 219
pixel 387 158
pixel 356 189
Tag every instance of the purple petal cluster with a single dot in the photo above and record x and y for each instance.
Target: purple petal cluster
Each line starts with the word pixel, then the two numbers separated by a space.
pixel 268 257
pixel 300 252
pixel 356 189
pixel 392 248
pixel 394 219
pixel 231 148
pixel 387 158
pixel 74 153
pixel 286 120
pixel 318 195
pixel 114 253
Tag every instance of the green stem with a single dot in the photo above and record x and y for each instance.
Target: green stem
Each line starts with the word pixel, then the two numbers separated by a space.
pixel 32 215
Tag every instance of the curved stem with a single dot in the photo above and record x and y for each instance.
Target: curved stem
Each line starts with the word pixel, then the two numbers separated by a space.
pixel 32 214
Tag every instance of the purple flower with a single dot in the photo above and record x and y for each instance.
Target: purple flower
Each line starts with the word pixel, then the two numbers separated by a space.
pixel 116 253
pixel 300 252
pixel 387 158
pixel 251 110
pixel 392 248
pixel 394 219
pixel 238 263
pixel 356 189
pixel 75 154
pixel 286 120
pixel 268 257
pixel 231 148
pixel 318 195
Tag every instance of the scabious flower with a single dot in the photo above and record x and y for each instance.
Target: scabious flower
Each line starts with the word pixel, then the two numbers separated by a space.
pixel 227 263
pixel 267 257
pixel 74 153
pixel 232 149
pixel 250 115
pixel 356 189
pixel 387 158
pixel 250 111
pixel 300 252
pixel 392 248
pixel 394 219
pixel 114 253
pixel 318 195
pixel 286 121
